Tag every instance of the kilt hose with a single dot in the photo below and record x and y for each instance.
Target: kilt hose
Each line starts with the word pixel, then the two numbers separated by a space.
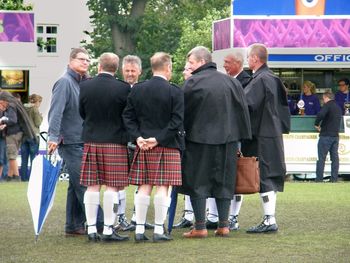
pixel 104 164
pixel 159 166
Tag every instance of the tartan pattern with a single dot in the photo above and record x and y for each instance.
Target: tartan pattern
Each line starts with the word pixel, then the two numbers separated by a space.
pixel 159 166
pixel 104 164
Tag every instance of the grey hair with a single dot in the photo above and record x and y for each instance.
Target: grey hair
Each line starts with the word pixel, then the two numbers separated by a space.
pixel 259 50
pixel 109 62
pixel 132 59
pixel 200 53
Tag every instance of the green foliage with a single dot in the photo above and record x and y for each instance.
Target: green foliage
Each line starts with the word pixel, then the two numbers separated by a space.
pixel 164 26
pixel 15 5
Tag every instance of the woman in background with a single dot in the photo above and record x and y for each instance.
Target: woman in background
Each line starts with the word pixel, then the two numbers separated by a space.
pixel 311 101
pixel 30 147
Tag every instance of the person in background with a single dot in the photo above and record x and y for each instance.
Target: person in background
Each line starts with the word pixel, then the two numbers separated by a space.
pixel 233 64
pixel 3 156
pixel 105 159
pixel 131 71
pixel 188 216
pixel 65 131
pixel 311 101
pixel 270 118
pixel 216 118
pixel 342 96
pixel 18 124
pixel 327 124
pixel 30 147
pixel 291 102
pixel 154 118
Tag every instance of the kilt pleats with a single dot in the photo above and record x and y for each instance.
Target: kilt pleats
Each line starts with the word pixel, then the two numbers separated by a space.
pixel 159 166
pixel 104 164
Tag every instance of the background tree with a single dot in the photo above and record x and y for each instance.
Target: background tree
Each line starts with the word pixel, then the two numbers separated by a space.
pixel 157 25
pixel 15 5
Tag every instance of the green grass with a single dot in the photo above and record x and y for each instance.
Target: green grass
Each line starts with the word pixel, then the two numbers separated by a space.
pixel 314 221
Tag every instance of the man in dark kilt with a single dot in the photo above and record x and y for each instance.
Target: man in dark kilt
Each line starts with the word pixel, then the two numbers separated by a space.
pixel 105 159
pixel 270 117
pixel 154 118
pixel 216 118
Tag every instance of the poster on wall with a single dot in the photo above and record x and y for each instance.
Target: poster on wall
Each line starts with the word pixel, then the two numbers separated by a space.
pixel 16 27
pixel 13 80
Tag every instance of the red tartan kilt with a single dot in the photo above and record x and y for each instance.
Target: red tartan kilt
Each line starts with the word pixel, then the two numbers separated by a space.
pixel 159 166
pixel 104 164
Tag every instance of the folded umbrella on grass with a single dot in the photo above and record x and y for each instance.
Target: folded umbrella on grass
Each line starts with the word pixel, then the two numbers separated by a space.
pixel 41 189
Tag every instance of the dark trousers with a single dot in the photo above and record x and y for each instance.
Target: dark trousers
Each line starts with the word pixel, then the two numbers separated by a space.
pixel 75 209
pixel 327 144
pixel 29 149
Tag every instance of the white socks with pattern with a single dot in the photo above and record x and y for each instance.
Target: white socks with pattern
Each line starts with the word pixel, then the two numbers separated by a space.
pixel 236 204
pixel 122 202
pixel 268 201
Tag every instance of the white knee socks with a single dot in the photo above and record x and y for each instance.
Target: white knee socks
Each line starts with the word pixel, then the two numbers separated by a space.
pixel 141 206
pixel 161 205
pixel 91 202
pixel 188 209
pixel 122 202
pixel 236 204
pixel 110 199
pixel 212 210
pixel 268 201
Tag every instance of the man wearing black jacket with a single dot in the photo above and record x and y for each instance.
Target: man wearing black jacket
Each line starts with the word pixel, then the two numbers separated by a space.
pixel 216 118
pixel 328 124
pixel 154 120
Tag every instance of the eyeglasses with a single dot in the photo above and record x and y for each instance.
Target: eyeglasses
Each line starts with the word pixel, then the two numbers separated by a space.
pixel 83 60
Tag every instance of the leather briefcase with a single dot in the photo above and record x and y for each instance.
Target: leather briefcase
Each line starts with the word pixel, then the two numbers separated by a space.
pixel 248 177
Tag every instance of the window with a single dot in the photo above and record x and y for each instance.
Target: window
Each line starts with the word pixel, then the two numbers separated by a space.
pixel 46 40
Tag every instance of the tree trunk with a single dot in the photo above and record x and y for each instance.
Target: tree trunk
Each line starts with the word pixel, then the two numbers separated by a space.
pixel 122 39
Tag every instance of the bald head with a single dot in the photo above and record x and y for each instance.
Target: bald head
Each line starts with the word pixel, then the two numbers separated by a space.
pixel 108 62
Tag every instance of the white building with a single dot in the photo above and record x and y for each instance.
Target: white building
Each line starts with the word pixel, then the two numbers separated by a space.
pixel 60 25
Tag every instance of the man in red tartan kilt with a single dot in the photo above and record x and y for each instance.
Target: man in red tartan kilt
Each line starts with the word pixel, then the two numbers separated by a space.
pixel 105 158
pixel 154 119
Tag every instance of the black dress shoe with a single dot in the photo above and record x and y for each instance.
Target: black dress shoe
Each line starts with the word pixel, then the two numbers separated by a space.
pixel 93 237
pixel 139 238
pixel 184 223
pixel 263 228
pixel 129 227
pixel 211 225
pixel 161 238
pixel 114 237
pixel 149 226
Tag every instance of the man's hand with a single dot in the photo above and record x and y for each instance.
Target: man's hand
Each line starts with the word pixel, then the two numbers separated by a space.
pixel 151 143
pixel 52 146
pixel 318 128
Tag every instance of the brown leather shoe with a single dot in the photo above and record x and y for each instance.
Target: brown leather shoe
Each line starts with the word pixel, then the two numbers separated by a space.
pixel 77 232
pixel 194 233
pixel 222 232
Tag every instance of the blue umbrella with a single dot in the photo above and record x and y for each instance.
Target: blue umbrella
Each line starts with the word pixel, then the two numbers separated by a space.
pixel 42 188
pixel 172 209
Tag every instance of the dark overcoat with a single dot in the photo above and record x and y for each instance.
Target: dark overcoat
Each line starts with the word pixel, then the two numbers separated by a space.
pixel 216 117
pixel 270 118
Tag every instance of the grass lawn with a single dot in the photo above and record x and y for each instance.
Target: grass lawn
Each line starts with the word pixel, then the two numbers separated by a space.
pixel 314 222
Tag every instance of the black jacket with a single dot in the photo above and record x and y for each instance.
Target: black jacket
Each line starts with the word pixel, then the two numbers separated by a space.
pixel 330 117
pixel 155 108
pixel 216 111
pixel 101 103
pixel 268 104
pixel 244 78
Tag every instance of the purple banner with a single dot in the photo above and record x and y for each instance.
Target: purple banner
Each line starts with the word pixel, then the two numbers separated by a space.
pixel 222 34
pixel 16 27
pixel 303 33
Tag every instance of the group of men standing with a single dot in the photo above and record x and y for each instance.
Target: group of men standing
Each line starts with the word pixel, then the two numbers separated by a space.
pixel 186 138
